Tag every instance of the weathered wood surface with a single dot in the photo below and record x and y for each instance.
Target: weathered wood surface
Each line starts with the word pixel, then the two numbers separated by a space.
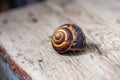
pixel 25 34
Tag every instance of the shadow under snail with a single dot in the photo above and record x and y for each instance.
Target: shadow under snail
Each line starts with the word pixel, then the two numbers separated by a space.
pixel 68 37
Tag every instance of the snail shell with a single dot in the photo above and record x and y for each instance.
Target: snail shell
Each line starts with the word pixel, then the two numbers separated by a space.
pixel 68 37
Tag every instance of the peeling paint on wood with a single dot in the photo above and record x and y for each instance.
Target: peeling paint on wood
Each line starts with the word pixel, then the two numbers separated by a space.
pixel 9 70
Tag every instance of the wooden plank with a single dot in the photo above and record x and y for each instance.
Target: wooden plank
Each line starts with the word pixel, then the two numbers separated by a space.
pixel 25 34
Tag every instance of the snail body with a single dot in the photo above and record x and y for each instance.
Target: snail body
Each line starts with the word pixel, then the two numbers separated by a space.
pixel 68 37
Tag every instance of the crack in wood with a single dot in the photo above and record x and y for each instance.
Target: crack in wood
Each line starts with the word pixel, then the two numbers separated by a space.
pixel 111 61
pixel 97 48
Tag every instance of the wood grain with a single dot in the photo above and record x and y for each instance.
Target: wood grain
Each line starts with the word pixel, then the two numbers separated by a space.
pixel 25 34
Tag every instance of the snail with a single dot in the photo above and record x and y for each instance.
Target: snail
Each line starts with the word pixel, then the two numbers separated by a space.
pixel 68 37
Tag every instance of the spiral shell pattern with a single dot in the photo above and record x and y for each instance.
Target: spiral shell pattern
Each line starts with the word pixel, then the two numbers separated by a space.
pixel 68 37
